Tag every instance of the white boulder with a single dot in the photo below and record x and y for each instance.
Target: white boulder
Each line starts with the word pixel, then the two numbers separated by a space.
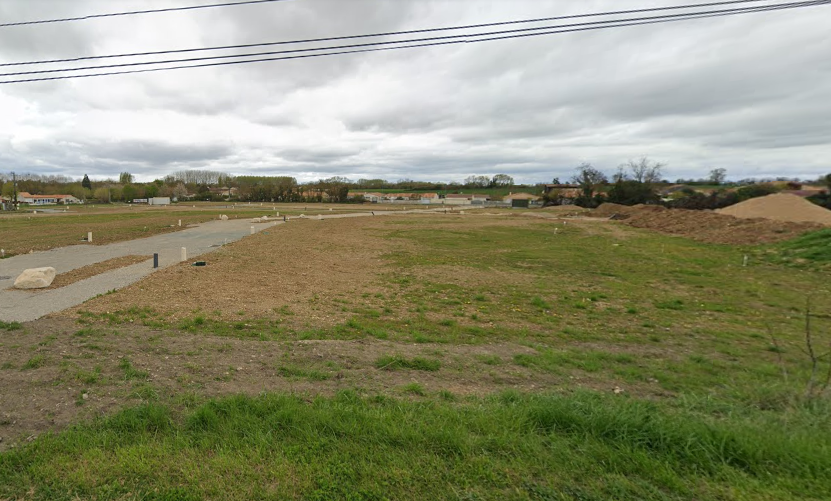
pixel 35 278
pixel 223 217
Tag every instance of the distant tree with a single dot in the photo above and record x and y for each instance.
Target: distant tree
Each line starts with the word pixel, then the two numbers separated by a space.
pixel 179 191
pixel 643 170
pixel 129 192
pixel 125 178
pixel 556 180
pixel 718 176
pixel 502 180
pixel 86 183
pixel 588 179
pixel 151 190
pixel 827 181
pixel 631 192
pixel 477 181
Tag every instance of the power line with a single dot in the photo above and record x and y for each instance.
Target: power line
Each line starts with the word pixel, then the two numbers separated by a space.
pixel 421 40
pixel 135 12
pixel 394 42
pixel 553 30
pixel 392 33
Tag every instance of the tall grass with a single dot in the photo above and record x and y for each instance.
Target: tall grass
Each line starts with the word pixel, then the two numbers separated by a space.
pixel 511 446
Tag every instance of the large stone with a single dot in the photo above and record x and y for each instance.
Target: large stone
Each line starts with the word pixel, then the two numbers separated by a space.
pixel 223 217
pixel 35 278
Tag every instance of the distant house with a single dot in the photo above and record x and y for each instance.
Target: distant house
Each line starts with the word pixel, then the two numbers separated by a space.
pixel 457 199
pixel 565 190
pixel 368 196
pixel 27 198
pixel 224 192
pixel 510 197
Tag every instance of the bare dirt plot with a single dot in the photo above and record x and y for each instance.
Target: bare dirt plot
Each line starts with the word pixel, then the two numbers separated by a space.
pixel 295 266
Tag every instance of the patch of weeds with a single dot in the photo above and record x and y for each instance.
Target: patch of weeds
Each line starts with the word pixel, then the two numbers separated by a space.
pixel 674 304
pixel 292 371
pixel 283 310
pixel 89 377
pixel 414 389
pixel 447 323
pixel 131 372
pixel 48 340
pixel 7 366
pixel 631 311
pixel 540 303
pixel 396 362
pixel 193 368
pixel 698 359
pixel 145 392
pixel 480 297
pixel 89 332
pixel 447 396
pixel 35 362
pixel 10 326
pixel 489 359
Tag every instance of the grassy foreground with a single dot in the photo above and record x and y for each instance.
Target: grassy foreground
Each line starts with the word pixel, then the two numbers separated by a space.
pixel 582 446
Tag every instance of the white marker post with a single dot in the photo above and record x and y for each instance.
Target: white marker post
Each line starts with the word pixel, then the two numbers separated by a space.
pixel 184 254
pixel 180 222
pixel 252 230
pixel 89 236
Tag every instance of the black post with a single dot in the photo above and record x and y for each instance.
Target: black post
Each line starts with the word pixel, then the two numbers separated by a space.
pixel 156 260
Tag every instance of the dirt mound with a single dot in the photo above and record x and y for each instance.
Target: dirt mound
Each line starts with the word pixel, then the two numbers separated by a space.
pixel 705 226
pixel 780 207
pixel 609 210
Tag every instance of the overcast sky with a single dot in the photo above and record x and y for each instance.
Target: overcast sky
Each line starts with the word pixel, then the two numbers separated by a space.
pixel 751 94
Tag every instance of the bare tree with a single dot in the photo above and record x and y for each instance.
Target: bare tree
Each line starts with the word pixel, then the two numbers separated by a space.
pixel 644 170
pixel 588 178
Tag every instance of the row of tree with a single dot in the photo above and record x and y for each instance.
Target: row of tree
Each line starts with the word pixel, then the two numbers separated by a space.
pixel 637 182
pixel 634 182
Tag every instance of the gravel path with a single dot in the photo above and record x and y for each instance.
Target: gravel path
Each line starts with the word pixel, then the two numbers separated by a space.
pixel 24 306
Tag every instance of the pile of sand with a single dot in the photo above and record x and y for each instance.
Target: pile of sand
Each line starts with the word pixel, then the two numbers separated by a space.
pixel 780 207
pixel 706 226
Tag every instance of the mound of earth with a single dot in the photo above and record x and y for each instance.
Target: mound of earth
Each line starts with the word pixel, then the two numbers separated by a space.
pixel 780 207
pixel 706 226
pixel 610 210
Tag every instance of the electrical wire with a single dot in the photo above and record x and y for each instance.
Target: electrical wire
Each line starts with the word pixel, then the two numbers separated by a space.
pixel 392 33
pixel 421 40
pixel 455 40
pixel 136 12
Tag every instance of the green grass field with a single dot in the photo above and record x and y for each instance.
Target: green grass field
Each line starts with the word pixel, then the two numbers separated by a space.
pixel 683 375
